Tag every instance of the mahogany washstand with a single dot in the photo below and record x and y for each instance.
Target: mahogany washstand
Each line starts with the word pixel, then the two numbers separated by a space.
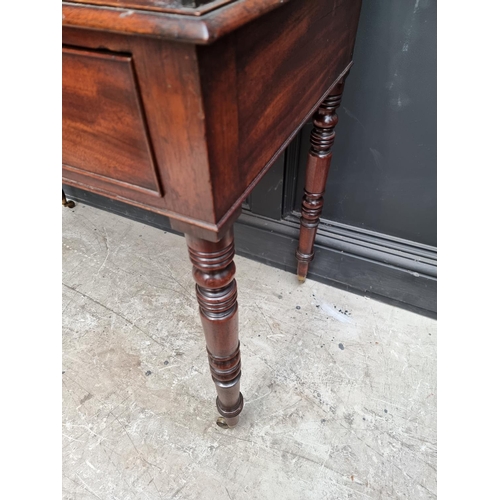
pixel 181 106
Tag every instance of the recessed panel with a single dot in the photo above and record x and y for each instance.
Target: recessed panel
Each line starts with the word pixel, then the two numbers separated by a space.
pixel 105 136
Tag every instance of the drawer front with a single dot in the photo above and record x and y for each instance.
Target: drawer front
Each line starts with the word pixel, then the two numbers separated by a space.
pixel 105 137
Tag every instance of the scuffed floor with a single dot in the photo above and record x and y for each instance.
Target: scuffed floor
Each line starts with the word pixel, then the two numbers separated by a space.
pixel 340 390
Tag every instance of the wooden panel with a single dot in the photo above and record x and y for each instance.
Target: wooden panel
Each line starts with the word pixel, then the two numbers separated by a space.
pixel 297 65
pixel 279 76
pixel 104 133
pixel 167 76
pixel 173 105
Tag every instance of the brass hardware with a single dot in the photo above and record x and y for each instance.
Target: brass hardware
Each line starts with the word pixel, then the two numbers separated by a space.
pixel 65 202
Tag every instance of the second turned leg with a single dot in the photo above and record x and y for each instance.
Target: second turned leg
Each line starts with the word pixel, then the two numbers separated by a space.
pixel 318 164
pixel 213 271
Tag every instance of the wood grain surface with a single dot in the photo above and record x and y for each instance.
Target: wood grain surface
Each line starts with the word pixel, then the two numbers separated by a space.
pixel 104 133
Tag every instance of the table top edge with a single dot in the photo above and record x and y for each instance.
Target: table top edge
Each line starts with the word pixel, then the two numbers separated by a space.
pixel 196 29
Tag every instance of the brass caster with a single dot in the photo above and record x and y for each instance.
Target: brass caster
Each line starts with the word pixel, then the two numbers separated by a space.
pixel 302 268
pixel 227 423
pixel 66 203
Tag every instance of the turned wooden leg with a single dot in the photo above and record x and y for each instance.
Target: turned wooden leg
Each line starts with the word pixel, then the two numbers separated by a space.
pixel 65 202
pixel 318 164
pixel 213 271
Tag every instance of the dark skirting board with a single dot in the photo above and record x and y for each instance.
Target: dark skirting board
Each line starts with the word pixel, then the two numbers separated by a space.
pixel 386 269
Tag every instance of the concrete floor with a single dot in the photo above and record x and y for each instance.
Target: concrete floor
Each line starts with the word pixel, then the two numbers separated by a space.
pixel 340 390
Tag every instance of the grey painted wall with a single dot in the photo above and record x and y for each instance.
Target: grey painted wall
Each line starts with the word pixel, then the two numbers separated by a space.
pixel 383 174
